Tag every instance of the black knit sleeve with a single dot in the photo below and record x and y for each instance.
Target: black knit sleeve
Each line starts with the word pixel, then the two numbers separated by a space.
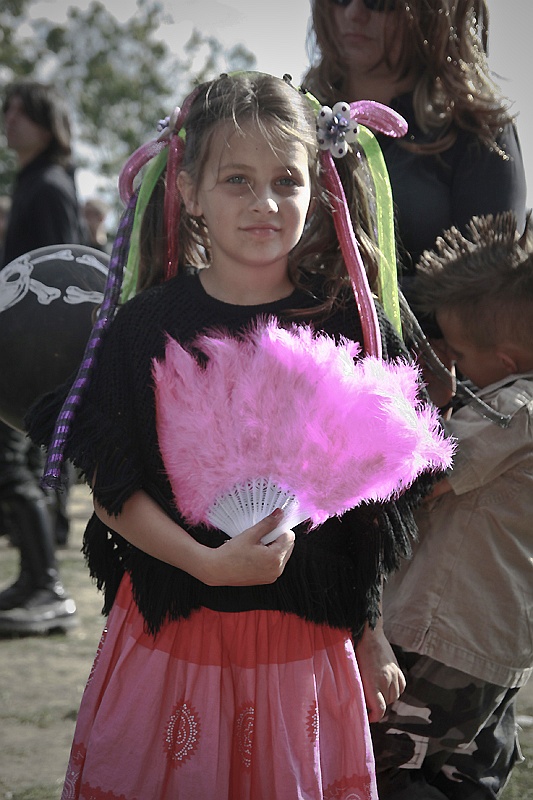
pixel 102 440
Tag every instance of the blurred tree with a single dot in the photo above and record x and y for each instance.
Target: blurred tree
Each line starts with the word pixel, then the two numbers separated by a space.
pixel 120 77
pixel 19 53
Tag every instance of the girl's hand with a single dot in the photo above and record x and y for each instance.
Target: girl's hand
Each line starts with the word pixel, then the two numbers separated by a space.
pixel 383 681
pixel 242 561
pixel 245 561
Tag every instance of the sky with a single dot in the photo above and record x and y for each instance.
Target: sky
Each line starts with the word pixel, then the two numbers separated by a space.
pixel 275 31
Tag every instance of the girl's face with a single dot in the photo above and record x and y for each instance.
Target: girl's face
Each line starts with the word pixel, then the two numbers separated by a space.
pixel 254 197
pixel 361 35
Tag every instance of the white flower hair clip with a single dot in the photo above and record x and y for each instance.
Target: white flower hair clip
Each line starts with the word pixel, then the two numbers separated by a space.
pixel 166 127
pixel 335 129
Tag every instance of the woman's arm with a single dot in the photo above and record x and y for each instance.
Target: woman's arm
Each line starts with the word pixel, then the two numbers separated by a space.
pixel 242 561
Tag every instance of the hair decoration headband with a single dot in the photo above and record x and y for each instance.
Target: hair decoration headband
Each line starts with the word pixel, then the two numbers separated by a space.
pixel 337 128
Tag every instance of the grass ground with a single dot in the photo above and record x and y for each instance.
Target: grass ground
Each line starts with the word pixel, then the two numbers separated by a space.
pixel 42 679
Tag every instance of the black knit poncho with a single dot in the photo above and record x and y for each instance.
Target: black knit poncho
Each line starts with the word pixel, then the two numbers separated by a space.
pixel 333 575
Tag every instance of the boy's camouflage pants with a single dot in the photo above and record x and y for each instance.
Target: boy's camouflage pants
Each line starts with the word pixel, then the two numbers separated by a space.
pixel 448 736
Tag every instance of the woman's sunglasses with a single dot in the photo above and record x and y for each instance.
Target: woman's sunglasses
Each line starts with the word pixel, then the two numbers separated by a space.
pixel 372 5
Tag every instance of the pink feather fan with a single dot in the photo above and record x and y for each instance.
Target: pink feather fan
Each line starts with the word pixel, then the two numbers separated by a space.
pixel 288 418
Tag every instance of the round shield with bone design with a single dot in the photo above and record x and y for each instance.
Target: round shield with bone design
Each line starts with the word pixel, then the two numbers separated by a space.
pixel 48 301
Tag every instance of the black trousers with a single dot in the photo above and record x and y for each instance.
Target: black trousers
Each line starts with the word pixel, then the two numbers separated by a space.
pixel 24 509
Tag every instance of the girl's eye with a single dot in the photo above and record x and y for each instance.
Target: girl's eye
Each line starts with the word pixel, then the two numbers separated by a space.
pixel 237 180
pixel 287 182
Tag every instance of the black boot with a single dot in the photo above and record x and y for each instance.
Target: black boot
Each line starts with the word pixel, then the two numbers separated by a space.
pixel 37 601
pixel 17 593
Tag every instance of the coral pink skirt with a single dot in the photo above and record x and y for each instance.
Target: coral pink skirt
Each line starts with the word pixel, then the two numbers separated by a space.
pixel 257 705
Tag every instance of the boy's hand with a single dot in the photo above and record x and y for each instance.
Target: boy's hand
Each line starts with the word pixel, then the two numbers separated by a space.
pixel 441 487
pixel 440 393
pixel 383 681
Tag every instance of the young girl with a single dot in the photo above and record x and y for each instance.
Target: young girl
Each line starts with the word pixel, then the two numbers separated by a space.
pixel 227 668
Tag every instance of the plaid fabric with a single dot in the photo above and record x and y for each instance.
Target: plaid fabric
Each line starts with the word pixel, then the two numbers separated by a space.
pixel 448 736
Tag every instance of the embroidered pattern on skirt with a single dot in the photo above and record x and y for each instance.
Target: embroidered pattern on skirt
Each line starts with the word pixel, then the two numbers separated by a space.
pixel 354 788
pixel 245 734
pixel 182 733
pixel 312 723
pixel 97 656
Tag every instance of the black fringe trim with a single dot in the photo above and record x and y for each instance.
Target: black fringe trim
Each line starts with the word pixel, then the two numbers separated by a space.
pixel 118 473
pixel 40 419
pixel 333 576
pixel 105 553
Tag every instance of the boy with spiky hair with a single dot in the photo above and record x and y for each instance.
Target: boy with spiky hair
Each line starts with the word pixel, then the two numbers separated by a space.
pixel 459 612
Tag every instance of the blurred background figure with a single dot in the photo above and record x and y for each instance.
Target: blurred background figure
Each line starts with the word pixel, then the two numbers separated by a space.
pixel 5 206
pixel 461 156
pixel 44 211
pixel 45 206
pixel 96 211
pixel 428 60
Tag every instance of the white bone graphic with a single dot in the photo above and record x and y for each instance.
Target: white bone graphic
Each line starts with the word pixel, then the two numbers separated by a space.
pixel 16 281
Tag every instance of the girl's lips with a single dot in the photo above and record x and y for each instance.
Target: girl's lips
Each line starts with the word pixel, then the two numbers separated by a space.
pixel 264 229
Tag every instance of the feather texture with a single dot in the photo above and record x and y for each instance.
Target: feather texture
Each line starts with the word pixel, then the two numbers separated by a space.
pixel 296 410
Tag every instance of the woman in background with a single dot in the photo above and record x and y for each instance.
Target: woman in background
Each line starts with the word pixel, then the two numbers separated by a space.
pixel 428 60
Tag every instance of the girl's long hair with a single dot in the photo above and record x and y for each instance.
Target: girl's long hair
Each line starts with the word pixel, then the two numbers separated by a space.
pixel 444 43
pixel 283 114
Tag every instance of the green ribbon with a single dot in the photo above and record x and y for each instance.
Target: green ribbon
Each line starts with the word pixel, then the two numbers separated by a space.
pixel 153 172
pixel 387 273
pixel 384 219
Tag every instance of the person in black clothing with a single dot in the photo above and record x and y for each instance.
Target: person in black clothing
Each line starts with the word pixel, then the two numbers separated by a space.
pixel 461 156
pixel 44 211
pixel 44 208
pixel 5 206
